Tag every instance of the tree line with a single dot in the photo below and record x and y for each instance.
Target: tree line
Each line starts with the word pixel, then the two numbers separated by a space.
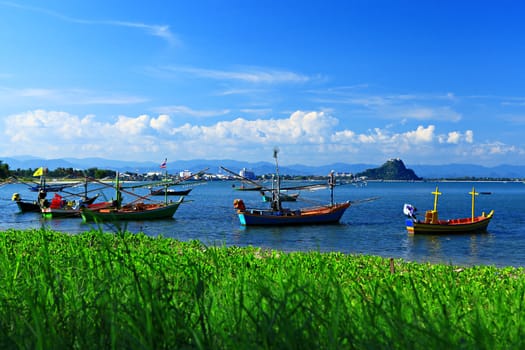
pixel 58 173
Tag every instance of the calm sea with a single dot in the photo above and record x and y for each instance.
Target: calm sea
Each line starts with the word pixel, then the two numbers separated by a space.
pixel 374 227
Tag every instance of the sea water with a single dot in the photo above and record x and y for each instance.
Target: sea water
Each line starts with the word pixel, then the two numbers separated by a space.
pixel 373 225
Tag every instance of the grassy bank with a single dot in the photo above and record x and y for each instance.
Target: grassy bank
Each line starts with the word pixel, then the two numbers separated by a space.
pixel 96 290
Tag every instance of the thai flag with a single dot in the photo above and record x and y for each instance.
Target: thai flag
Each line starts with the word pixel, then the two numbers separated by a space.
pixel 163 164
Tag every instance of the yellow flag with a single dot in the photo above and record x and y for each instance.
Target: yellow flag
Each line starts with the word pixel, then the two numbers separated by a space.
pixel 39 172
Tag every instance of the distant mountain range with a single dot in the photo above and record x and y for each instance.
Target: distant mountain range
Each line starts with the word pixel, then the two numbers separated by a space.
pixel 449 171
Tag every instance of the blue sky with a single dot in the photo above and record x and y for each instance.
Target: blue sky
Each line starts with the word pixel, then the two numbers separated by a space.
pixel 430 82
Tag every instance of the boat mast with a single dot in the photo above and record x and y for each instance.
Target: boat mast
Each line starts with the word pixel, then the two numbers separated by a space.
pixel 276 193
pixel 474 194
pixel 166 186
pixel 118 194
pixel 436 193
pixel 331 184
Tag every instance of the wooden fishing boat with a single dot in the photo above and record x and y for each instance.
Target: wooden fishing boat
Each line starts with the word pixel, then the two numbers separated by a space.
pixel 432 224
pixel 285 197
pixel 277 215
pixel 170 192
pixel 25 206
pixel 137 211
pixel 60 208
pixel 51 188
pixel 326 214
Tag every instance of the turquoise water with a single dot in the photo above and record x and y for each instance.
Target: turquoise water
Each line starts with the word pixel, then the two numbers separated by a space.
pixel 368 227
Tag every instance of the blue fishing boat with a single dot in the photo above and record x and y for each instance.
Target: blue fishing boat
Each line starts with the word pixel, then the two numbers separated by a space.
pixel 277 215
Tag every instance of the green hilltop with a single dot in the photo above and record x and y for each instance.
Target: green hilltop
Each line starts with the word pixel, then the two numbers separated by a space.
pixel 393 169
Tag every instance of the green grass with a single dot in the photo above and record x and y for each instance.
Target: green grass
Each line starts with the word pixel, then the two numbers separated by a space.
pixel 98 290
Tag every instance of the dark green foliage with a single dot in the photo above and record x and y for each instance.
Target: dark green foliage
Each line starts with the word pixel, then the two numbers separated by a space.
pixel 4 170
pixel 131 291
pixel 393 169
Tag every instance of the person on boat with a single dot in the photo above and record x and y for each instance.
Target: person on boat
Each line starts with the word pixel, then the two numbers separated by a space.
pixel 410 211
pixel 42 201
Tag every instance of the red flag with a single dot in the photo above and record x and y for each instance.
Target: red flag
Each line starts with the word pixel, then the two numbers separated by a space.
pixel 163 164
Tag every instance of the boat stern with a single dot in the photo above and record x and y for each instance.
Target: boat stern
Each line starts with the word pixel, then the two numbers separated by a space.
pixel 409 223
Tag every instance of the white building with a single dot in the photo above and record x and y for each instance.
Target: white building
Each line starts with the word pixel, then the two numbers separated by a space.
pixel 185 173
pixel 247 174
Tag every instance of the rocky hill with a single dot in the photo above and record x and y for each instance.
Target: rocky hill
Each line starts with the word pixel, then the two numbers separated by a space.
pixel 393 169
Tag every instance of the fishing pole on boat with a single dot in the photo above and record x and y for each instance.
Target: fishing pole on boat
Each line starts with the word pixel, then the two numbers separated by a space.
pixel 173 183
pixel 146 197
pixel 258 186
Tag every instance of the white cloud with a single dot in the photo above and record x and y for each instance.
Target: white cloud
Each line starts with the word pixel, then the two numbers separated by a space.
pixel 132 126
pixel 187 111
pixel 308 137
pixel 161 31
pixel 421 134
pixel 247 74
pixel 453 137
pixel 162 123
pixel 66 97
pixel 469 136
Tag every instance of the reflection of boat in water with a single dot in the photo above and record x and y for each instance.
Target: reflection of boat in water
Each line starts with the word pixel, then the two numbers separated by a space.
pixel 277 215
pixel 432 224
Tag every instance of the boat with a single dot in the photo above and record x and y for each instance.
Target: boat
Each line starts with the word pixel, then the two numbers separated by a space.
pixel 251 188
pixel 170 192
pixel 163 187
pixel 285 197
pixel 25 206
pixel 250 185
pixel 277 215
pixel 432 224
pixel 135 210
pixel 50 188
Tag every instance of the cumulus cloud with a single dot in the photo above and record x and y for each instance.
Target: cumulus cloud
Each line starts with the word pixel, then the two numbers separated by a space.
pixel 421 134
pixel 453 137
pixel 456 137
pixel 308 136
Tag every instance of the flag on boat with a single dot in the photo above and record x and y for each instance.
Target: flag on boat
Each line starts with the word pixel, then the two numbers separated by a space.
pixel 163 164
pixel 39 172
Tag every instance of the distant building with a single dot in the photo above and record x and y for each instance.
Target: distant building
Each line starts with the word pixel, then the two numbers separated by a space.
pixel 185 173
pixel 247 174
